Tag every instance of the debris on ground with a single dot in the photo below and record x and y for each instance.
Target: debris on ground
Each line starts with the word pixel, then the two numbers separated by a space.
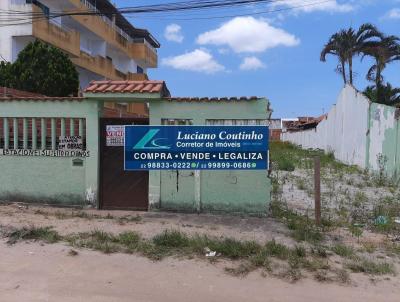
pixel 72 253
pixel 210 253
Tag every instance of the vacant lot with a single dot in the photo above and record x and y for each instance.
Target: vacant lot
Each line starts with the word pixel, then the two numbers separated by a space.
pixel 51 254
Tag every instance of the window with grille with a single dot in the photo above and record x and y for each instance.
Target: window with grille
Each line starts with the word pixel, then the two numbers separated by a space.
pixel 240 122
pixel 39 133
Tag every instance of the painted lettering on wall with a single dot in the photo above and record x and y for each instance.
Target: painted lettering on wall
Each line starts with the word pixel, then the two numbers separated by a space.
pixel 45 153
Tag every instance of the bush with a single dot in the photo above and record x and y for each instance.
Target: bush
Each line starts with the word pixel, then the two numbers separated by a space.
pixel 41 68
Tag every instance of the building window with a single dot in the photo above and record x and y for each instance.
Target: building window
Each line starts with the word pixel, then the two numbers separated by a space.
pixel 176 122
pixel 238 122
pixel 140 69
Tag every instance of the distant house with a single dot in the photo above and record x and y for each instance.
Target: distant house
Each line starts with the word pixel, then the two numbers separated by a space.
pixel 275 129
pixel 302 123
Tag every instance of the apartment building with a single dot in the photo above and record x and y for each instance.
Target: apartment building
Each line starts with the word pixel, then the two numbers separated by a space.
pixel 104 46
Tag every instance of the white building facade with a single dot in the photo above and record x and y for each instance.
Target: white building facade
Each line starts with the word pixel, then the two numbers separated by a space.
pixel 104 46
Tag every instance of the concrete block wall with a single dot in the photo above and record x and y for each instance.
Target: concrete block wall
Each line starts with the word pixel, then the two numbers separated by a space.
pixel 48 179
pixel 357 131
pixel 210 191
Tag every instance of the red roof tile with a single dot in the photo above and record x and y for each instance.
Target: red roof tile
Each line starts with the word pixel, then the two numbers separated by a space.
pixel 42 99
pixel 128 87
pixel 211 99
pixel 10 92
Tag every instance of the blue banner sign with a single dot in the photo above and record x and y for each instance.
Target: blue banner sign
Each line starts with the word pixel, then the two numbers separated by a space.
pixel 196 147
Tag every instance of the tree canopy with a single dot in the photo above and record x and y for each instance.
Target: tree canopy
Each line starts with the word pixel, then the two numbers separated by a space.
pixel 348 43
pixel 367 41
pixel 41 68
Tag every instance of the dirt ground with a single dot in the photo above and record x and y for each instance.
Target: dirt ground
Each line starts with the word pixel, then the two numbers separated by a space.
pixel 31 272
pixel 34 271
pixel 148 224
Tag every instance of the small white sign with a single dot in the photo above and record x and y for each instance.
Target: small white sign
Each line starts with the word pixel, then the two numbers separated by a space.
pixel 69 143
pixel 115 136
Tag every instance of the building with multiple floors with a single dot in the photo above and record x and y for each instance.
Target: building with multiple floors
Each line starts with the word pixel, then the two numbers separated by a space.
pixel 103 46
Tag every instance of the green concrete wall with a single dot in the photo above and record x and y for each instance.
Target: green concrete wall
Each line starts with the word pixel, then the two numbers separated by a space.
pixel 52 179
pixel 383 139
pixel 210 191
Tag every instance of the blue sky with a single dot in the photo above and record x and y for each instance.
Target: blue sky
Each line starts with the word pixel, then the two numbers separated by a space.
pixel 275 55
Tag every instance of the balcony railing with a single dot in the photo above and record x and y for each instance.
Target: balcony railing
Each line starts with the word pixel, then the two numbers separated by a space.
pixel 144 54
pixel 138 49
pixel 99 65
pixel 105 19
pixel 56 34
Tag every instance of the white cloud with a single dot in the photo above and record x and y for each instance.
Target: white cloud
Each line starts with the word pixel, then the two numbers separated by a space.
pixel 200 60
pixel 248 34
pixel 251 63
pixel 394 13
pixel 223 51
pixel 173 32
pixel 311 6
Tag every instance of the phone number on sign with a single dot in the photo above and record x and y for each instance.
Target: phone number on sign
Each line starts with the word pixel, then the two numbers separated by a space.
pixel 197 165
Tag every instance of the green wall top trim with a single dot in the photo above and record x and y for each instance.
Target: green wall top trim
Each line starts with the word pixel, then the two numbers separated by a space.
pixel 124 97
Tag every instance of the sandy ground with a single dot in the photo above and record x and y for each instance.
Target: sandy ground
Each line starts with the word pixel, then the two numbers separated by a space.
pixel 32 272
pixel 336 191
pixel 150 223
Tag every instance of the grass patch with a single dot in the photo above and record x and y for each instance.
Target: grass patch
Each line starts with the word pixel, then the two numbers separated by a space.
pixel 319 251
pixel 96 240
pixel 45 234
pixel 369 247
pixel 287 157
pixel 301 184
pixel 85 215
pixel 241 270
pixel 342 276
pixel 370 267
pixel 171 239
pixel 261 259
pixel 322 276
pixel 343 250
pixel 274 249
pixel 251 254
pixel 126 219
pixel 302 228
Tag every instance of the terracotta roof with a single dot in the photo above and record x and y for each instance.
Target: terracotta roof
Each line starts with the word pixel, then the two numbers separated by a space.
pixel 212 99
pixel 42 99
pixel 305 123
pixel 128 87
pixel 11 93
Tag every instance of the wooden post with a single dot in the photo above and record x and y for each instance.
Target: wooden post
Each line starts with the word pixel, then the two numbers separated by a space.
pixel 317 189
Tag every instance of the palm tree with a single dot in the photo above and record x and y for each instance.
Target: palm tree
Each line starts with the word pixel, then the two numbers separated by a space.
pixel 346 44
pixel 388 94
pixel 384 52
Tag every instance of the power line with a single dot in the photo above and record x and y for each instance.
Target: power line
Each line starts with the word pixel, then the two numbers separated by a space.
pixel 239 15
pixel 13 18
